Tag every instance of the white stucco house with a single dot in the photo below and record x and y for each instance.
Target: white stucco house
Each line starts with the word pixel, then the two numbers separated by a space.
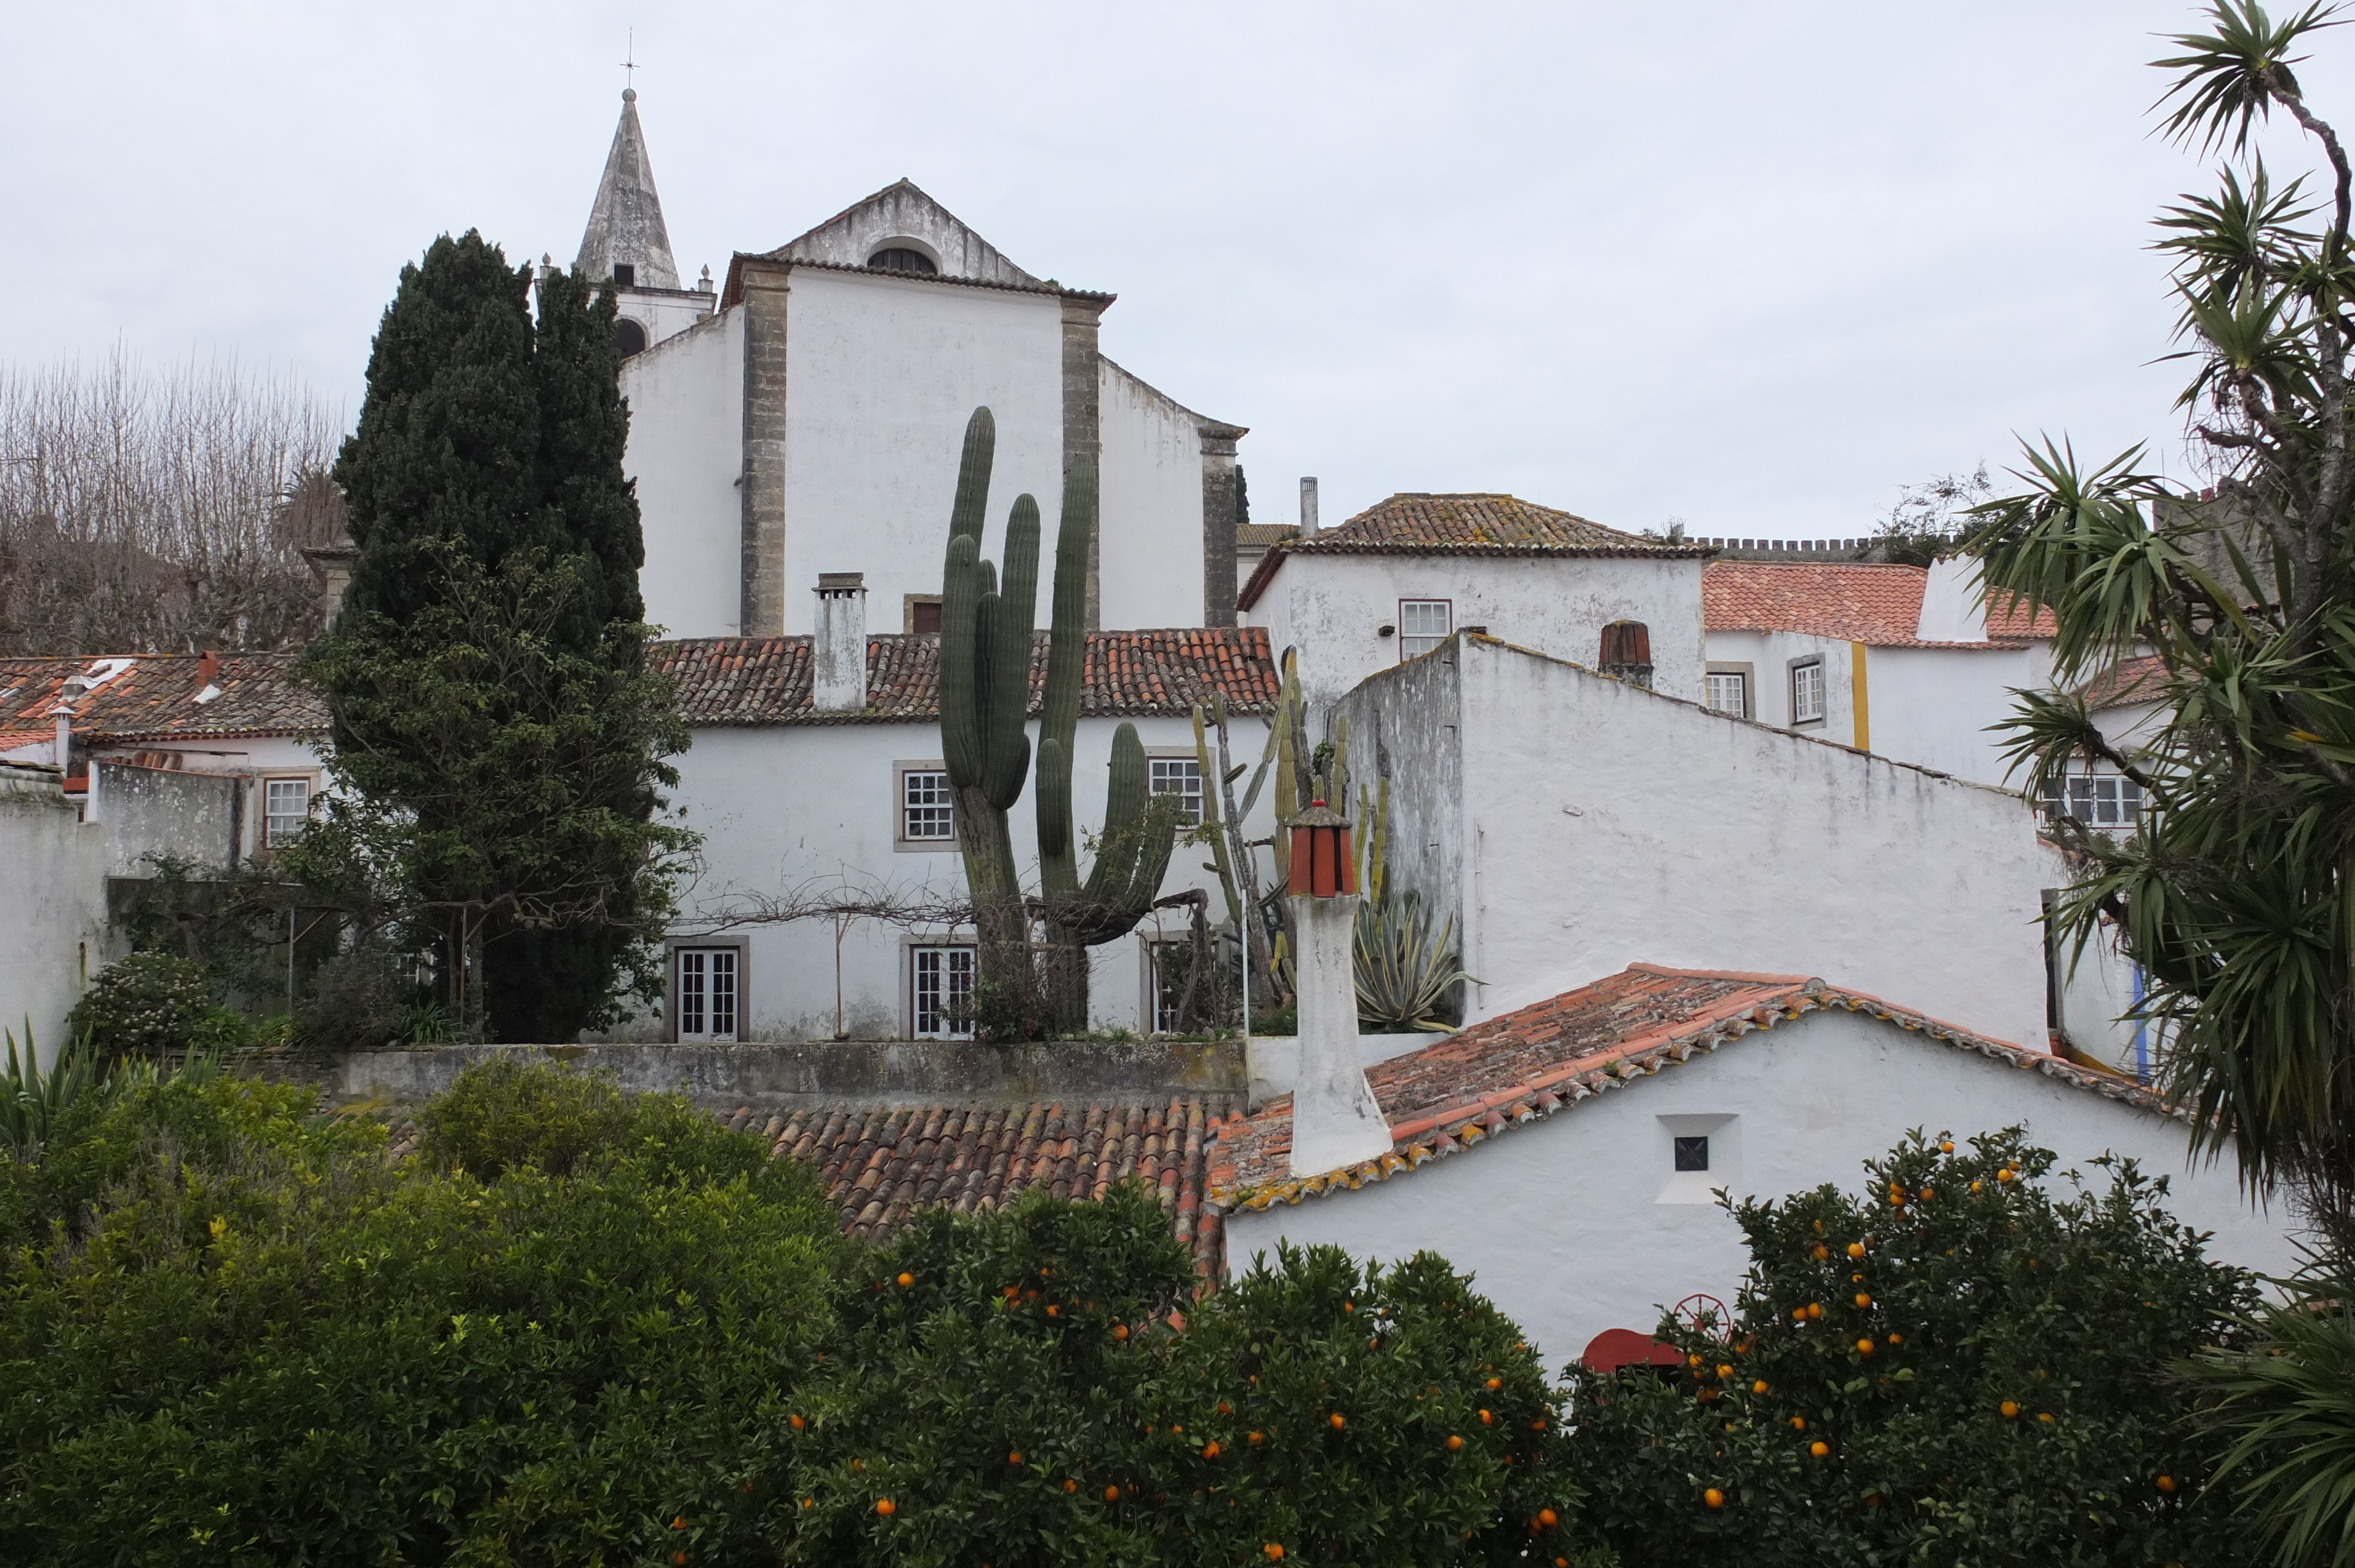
pixel 806 417
pixel 1573 822
pixel 111 761
pixel 1395 580
pixel 1908 662
pixel 1567 1154
pixel 805 795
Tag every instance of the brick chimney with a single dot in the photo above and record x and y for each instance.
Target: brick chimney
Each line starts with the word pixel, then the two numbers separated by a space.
pixel 839 651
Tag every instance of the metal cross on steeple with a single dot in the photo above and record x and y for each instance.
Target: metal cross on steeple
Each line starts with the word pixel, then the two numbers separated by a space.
pixel 629 66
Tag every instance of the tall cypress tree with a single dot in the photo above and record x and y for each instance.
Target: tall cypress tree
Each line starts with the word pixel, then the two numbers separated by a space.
pixel 494 710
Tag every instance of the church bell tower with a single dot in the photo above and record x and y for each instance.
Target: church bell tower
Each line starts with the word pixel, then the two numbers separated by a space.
pixel 627 246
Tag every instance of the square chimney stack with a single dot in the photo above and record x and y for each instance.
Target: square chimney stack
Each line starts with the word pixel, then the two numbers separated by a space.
pixel 839 651
pixel 1308 507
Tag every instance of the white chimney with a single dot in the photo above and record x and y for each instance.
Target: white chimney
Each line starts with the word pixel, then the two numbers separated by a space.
pixel 1954 610
pixel 1309 506
pixel 1336 1122
pixel 838 652
pixel 67 695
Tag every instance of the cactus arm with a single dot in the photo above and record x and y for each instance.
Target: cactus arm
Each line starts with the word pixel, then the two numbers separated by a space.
pixel 1225 862
pixel 960 713
pixel 1058 715
pixel 1008 737
pixel 1140 829
pixel 973 479
pixel 1058 864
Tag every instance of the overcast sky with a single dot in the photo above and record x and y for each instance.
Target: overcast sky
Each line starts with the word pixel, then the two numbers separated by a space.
pixel 1754 266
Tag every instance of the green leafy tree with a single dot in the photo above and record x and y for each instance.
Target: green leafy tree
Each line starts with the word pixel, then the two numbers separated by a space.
pixel 495 713
pixel 238 1334
pixel 1040 1386
pixel 1955 1367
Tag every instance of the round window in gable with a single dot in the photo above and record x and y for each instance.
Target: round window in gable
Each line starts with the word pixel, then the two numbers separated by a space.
pixel 629 337
pixel 901 259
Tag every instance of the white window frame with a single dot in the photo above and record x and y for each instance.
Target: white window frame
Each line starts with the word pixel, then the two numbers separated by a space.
pixel 2111 802
pixel 902 840
pixel 1423 641
pixel 1801 672
pixel 707 992
pixel 1747 675
pixel 1161 767
pixel 269 837
pixel 935 972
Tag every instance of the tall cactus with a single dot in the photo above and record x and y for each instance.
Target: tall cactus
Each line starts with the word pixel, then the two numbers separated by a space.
pixel 985 675
pixel 1139 827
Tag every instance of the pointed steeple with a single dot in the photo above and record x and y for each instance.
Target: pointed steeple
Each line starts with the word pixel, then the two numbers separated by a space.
pixel 625 227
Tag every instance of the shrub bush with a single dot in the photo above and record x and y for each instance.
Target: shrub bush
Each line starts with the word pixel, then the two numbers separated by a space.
pixel 265 1343
pixel 1015 1387
pixel 1955 1368
pixel 149 1004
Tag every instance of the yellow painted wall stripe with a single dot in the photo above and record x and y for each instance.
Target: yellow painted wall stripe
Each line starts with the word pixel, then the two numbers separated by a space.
pixel 1860 697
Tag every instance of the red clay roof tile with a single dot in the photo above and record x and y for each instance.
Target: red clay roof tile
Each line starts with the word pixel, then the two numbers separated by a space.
pixel 153 696
pixel 1875 603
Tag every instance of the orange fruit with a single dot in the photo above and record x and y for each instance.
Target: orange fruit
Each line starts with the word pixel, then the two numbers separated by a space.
pixel 2166 1483
pixel 1499 1383
pixel 1274 1552
pixel 1071 1486
pixel 1691 1360
pixel 1053 1311
pixel 1713 1497
pixel 795 1422
pixel 678 1557
pixel 1862 1299
pixel 1349 1306
pixel 2009 1409
pixel 1798 1314
pixel 885 1507
pixel 1928 1193
pixel 1856 1249
pixel 1947 1146
pixel 1724 1370
pixel 1455 1443
pixel 1865 1347
pixel 1820 1447
pixel 906 1280
pixel 2044 1415
pixel 1799 1424
pixel 1210 1450
pixel 1896 1339
pixel 1335 1420
pixel 1546 1517
pixel 1014 1459
pixel 1120 1330
pixel 1975 1186
pixel 679 1523
pixel 1758 1387
pixel 1111 1494
pixel 1814 1310
pixel 1487 1419
pixel 1820 1252
pixel 2004 1174
pixel 1256 1438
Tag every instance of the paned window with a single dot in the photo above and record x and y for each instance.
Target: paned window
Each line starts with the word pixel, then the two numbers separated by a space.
pixel 1181 777
pixel 1729 692
pixel 1423 625
pixel 1808 692
pixel 940 988
pixel 707 993
pixel 285 811
pixel 926 814
pixel 2096 800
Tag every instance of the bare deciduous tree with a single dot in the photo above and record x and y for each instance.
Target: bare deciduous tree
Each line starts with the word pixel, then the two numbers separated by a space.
pixel 145 510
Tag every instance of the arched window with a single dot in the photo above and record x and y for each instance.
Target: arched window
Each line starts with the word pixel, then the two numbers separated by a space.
pixel 629 337
pixel 1627 651
pixel 901 259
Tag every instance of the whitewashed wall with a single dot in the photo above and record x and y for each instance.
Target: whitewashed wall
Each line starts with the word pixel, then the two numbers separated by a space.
pixel 1767 657
pixel 1577 824
pixel 1331 608
pixel 1577 1224
pixel 53 913
pixel 686 450
pixel 1934 706
pixel 792 806
pixel 1151 467
pixel 881 375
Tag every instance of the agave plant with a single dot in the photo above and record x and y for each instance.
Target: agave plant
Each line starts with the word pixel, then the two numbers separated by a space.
pixel 1405 971
pixel 32 1101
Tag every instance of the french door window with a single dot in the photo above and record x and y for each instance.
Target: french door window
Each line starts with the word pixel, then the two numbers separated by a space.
pixel 707 993
pixel 941 992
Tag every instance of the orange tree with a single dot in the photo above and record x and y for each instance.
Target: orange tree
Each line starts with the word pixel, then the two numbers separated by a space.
pixel 1040 1387
pixel 1957 1367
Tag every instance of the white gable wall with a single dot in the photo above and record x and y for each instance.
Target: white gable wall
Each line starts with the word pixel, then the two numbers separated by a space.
pixel 1579 1222
pixel 881 375
pixel 1151 474
pixel 1332 607
pixel 686 449
pixel 1576 824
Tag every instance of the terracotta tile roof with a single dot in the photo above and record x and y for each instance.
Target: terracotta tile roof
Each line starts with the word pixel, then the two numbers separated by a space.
pixel 1549 1057
pixel 153 696
pixel 1875 603
pixel 2142 680
pixel 1260 536
pixel 880 1164
pixel 1128 674
pixel 1417 523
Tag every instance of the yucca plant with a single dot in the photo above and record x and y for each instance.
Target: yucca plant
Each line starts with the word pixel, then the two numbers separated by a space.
pixel 2288 1401
pixel 1404 970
